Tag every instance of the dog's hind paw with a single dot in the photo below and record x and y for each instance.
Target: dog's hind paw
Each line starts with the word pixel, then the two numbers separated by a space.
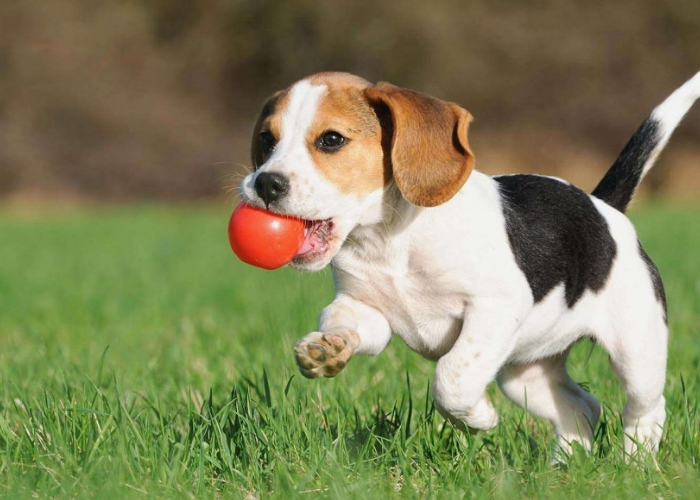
pixel 325 354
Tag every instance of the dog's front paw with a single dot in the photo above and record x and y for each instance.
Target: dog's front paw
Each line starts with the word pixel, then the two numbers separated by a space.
pixel 325 354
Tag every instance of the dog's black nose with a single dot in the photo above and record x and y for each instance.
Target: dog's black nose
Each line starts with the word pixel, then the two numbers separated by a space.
pixel 271 186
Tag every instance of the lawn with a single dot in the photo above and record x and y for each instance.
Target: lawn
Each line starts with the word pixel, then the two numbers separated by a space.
pixel 139 359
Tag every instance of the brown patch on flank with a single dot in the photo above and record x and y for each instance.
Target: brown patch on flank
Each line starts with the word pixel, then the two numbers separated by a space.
pixel 269 119
pixel 359 166
pixel 477 355
pixel 430 153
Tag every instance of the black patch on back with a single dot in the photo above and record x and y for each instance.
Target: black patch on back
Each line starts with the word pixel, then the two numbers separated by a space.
pixel 655 280
pixel 620 182
pixel 557 235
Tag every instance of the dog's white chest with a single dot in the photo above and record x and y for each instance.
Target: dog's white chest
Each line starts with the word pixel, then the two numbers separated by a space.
pixel 425 313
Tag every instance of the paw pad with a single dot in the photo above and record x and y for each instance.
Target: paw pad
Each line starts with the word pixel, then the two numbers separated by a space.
pixel 325 354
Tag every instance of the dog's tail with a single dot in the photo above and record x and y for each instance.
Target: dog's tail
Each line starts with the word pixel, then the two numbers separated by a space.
pixel 636 159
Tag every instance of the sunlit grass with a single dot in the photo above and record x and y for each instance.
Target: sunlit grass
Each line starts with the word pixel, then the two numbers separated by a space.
pixel 138 358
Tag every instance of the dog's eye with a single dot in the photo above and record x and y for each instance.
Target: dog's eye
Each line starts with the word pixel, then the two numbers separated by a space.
pixel 330 141
pixel 267 142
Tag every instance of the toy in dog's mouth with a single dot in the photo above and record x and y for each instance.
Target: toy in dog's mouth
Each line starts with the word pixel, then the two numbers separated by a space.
pixel 316 241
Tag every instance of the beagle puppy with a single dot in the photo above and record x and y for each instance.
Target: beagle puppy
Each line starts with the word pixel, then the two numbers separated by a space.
pixel 494 278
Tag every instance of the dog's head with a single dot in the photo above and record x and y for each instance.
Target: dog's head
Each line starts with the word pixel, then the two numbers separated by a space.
pixel 327 149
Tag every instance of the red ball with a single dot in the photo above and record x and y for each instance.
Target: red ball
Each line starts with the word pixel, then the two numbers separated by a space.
pixel 264 239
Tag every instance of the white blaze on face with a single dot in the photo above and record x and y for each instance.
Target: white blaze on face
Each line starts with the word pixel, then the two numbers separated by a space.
pixel 290 157
pixel 296 120
pixel 309 193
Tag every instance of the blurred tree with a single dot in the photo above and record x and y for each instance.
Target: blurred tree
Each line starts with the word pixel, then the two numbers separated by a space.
pixel 126 99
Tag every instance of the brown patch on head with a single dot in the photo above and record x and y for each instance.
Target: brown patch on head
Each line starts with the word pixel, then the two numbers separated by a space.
pixel 337 80
pixel 268 120
pixel 358 166
pixel 430 154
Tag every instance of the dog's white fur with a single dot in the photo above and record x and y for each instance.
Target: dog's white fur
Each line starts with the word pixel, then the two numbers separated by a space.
pixel 445 280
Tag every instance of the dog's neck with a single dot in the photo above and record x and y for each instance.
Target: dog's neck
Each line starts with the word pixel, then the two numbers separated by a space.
pixel 397 217
pixel 391 238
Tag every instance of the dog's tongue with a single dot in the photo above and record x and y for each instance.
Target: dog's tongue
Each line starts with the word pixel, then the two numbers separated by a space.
pixel 310 240
pixel 307 246
pixel 316 237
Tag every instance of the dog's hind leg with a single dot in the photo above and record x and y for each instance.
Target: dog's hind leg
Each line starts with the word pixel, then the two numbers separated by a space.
pixel 546 390
pixel 640 365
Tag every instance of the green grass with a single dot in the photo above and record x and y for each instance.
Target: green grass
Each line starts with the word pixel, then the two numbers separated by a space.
pixel 138 358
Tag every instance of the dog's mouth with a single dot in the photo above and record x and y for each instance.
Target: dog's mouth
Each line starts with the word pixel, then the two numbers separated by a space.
pixel 316 241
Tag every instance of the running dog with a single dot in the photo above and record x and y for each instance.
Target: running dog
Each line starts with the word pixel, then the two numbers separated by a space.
pixel 495 278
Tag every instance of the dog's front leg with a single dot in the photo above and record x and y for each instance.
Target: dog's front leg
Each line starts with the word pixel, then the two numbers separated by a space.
pixel 462 375
pixel 346 327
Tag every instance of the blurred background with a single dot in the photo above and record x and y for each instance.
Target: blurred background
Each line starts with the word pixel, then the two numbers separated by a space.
pixel 131 100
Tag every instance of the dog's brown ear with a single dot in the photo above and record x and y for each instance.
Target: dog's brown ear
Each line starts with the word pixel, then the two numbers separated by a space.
pixel 430 154
pixel 257 155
